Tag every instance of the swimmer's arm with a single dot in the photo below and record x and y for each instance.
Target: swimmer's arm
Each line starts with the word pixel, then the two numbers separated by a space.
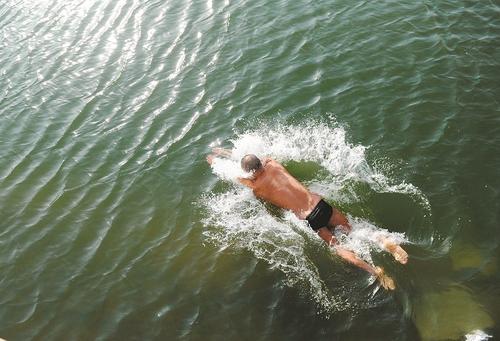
pixel 347 255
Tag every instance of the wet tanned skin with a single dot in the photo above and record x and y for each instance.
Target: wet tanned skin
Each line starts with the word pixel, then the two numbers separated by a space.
pixel 275 185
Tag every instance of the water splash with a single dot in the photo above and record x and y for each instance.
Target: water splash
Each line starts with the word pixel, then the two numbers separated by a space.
pixel 366 237
pixel 236 219
pixel 477 335
pixel 315 142
pixel 242 222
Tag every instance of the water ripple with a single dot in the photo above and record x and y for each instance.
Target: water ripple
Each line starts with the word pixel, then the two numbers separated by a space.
pixel 107 107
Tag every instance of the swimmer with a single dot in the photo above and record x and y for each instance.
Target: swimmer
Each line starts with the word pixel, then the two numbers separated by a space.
pixel 271 182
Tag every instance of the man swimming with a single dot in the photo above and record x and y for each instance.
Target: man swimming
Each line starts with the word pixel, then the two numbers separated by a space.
pixel 271 182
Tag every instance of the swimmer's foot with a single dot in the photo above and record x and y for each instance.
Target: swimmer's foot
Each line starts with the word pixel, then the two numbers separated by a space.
pixel 399 254
pixel 386 281
pixel 397 251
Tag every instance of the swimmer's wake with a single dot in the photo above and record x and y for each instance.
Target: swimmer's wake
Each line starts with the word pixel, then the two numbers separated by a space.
pixel 238 213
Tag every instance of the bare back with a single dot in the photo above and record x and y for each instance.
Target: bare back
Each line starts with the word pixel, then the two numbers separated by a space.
pixel 278 187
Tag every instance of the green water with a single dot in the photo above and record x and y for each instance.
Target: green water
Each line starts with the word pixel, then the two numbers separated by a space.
pixel 107 111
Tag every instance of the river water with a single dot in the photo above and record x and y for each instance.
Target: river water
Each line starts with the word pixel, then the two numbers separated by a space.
pixel 114 227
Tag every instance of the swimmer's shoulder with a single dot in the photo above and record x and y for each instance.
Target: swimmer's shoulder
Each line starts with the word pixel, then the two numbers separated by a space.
pixel 271 163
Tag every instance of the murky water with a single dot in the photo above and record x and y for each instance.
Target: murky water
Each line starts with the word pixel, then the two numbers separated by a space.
pixel 112 225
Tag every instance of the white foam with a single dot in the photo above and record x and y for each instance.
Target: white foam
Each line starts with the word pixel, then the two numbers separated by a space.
pixel 313 142
pixel 236 219
pixel 477 335
pixel 316 142
pixel 366 237
pixel 227 169
pixel 242 222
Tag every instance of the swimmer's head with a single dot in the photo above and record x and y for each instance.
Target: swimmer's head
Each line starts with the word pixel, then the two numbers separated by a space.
pixel 251 163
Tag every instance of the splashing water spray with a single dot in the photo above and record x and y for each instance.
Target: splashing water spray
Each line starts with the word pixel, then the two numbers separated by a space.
pixel 236 219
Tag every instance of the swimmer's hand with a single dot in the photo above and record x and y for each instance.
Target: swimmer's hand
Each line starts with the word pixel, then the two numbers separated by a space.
pixel 221 152
pixel 386 281
pixel 218 152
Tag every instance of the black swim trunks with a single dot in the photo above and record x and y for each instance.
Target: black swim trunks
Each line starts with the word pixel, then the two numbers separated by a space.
pixel 320 215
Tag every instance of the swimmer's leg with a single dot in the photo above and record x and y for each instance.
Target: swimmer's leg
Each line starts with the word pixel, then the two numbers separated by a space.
pixel 351 257
pixel 339 220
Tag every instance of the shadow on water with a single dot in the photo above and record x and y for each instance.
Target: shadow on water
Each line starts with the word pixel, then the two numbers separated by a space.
pixel 449 313
pixel 440 294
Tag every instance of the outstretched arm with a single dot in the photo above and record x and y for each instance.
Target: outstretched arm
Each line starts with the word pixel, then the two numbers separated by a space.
pixel 352 258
